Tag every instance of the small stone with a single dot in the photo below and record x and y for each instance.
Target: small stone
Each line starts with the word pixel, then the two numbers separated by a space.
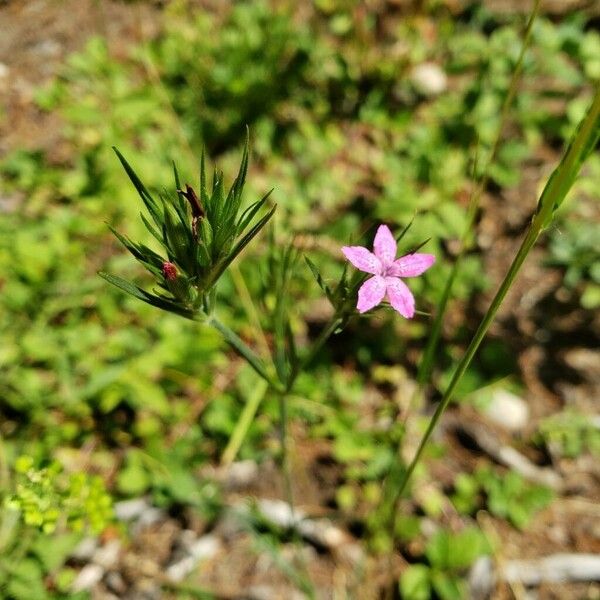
pixel 116 583
pixel 267 592
pixel 239 475
pixel 150 516
pixel 87 578
pixel 231 524
pixel 186 539
pixel 48 48
pixel 558 534
pixel 129 510
pixel 352 553
pixel 108 555
pixel 204 548
pixel 507 410
pixel 584 360
pixel 147 589
pixel 481 578
pixel 429 79
pixel 84 551
pixel 280 513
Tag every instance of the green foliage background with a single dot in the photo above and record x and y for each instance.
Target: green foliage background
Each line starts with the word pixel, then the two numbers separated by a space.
pixel 346 137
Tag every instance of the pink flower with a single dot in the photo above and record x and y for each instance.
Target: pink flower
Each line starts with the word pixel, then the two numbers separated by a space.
pixel 387 271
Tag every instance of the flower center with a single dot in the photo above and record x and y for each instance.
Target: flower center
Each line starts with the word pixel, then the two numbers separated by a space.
pixel 386 271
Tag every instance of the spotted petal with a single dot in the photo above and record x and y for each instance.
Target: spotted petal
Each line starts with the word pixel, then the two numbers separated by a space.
pixel 385 245
pixel 362 259
pixel 400 297
pixel 371 293
pixel 411 265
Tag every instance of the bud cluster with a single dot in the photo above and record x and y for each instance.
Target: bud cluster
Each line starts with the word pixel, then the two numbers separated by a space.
pixel 200 234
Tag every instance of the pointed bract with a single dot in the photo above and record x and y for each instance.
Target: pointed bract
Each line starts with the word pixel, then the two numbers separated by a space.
pixel 200 234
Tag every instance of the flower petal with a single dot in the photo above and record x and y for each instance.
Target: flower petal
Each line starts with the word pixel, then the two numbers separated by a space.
pixel 371 293
pixel 411 265
pixel 400 297
pixel 384 245
pixel 362 259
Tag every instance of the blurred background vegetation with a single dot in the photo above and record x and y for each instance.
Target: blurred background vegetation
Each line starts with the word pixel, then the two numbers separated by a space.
pixel 359 113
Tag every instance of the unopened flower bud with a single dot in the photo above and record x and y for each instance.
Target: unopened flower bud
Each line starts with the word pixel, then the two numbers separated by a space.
pixel 169 271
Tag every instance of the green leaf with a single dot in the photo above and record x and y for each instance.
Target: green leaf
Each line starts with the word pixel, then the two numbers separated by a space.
pixel 26 581
pixel 133 478
pixel 125 285
pixel 404 231
pixel 204 196
pixel 465 547
pixel 155 232
pixel 234 199
pixel 203 257
pixel 447 587
pixel 206 235
pixel 180 197
pixel 319 279
pixel 180 241
pixel 285 267
pixel 144 296
pixel 250 212
pixel 52 556
pixel 438 549
pixel 147 199
pixel 582 142
pixel 415 583
pixel 240 245
pixel 180 208
pixel 147 257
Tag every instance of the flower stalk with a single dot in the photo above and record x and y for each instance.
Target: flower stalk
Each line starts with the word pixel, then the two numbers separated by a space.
pixel 427 361
pixel 583 141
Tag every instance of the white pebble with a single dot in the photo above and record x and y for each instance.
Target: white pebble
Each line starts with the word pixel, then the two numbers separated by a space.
pixel 429 79
pixel 507 410
pixel 87 578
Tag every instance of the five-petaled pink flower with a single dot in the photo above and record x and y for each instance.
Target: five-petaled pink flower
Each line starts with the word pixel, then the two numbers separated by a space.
pixel 387 271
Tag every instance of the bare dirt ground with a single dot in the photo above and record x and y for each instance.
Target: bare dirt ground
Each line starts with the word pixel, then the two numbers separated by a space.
pixel 35 38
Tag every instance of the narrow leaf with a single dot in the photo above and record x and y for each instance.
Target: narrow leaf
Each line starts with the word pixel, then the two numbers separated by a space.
pixel 319 279
pixel 250 212
pixel 155 233
pixel 181 200
pixel 241 244
pixel 147 199
pixel 144 296
pixel 143 254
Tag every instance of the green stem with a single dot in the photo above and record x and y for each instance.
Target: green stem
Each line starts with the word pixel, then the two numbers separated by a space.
pixel 582 143
pixel 526 246
pixel 325 334
pixel 288 489
pixel 269 381
pixel 285 463
pixel 249 308
pixel 243 350
pixel 243 425
pixel 427 360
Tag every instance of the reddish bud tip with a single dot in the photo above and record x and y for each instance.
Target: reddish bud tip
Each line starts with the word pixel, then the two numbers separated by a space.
pixel 169 271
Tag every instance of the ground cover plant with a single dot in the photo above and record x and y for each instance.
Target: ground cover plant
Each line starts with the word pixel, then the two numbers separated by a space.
pixel 366 122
